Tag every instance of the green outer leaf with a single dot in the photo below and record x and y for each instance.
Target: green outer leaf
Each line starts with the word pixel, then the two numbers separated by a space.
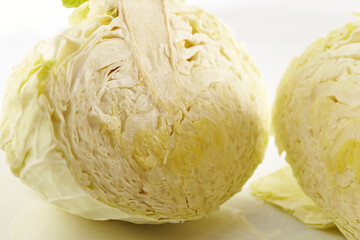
pixel 72 3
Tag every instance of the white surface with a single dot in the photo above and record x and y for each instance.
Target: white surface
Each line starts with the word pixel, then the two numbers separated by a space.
pixel 273 30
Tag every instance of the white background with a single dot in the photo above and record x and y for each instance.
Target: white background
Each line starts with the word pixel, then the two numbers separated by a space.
pixel 274 31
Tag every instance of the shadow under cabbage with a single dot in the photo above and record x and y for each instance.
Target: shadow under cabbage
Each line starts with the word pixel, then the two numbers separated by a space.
pixel 257 221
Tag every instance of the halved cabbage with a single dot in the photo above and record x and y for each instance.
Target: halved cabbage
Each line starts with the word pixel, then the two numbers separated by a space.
pixel 316 118
pixel 146 111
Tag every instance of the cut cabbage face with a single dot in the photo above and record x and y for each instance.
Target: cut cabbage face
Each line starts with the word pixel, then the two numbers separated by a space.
pixel 316 118
pixel 146 111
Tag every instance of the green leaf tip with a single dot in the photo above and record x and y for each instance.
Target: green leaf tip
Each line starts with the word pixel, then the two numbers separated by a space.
pixel 72 3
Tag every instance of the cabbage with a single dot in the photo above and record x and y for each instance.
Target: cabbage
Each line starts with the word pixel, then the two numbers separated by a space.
pixel 73 3
pixel 316 119
pixel 142 111
pixel 282 190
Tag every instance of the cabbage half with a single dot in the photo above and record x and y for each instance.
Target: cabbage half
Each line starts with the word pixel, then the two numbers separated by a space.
pixel 316 118
pixel 146 111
